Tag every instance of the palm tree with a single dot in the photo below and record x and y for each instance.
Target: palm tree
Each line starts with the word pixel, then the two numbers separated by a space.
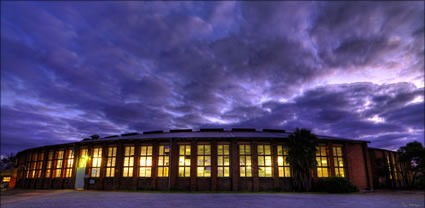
pixel 301 156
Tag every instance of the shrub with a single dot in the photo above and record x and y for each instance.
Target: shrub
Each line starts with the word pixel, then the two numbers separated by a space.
pixel 420 182
pixel 336 185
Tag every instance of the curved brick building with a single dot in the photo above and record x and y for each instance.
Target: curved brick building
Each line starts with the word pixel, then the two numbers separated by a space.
pixel 204 160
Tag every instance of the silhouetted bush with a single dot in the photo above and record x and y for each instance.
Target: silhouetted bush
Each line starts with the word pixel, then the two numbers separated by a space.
pixel 336 185
pixel 420 183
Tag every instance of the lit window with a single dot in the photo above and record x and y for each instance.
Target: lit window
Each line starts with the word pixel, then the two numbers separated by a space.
pixel 163 158
pixel 39 165
pixel 204 160
pixel 69 163
pixel 245 160
pixel 264 161
pixel 223 160
pixel 389 167
pixel 322 161
pixel 6 179
pixel 49 165
pixel 59 163
pixel 145 161
pixel 110 161
pixel 84 154
pixel 128 161
pixel 184 160
pixel 28 169
pixel 282 163
pixel 395 166
pixel 33 165
pixel 96 162
pixel 338 161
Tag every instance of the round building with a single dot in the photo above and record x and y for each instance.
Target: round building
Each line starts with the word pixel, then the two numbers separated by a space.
pixel 206 160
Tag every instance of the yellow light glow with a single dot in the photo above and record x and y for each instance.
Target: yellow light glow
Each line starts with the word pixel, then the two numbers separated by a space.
pixel 6 179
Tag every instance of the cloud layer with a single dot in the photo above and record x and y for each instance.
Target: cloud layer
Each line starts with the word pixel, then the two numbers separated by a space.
pixel 73 69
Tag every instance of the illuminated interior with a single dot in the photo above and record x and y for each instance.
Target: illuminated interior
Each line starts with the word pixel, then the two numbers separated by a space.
pixel 69 163
pixel 223 160
pixel 49 164
pixel 6 179
pixel 59 163
pixel 145 169
pixel 204 160
pixel 338 156
pixel 245 160
pixel 184 160
pixel 163 160
pixel 128 161
pixel 96 162
pixel 322 161
pixel 283 165
pixel 110 161
pixel 264 161
pixel 84 156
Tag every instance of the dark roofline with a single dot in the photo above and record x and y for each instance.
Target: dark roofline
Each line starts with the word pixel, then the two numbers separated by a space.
pixel 380 149
pixel 182 133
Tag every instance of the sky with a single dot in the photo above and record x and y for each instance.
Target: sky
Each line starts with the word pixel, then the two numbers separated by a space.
pixel 346 69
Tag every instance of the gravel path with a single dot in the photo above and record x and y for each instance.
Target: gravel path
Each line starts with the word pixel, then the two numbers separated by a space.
pixel 103 199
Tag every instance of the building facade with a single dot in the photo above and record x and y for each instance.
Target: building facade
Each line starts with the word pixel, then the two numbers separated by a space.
pixel 205 160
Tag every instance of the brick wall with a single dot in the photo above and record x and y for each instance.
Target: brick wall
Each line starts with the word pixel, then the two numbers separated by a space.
pixel 357 166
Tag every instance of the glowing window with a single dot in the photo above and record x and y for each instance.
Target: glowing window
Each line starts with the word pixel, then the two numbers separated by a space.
pixel 389 167
pixel 69 163
pixel 59 163
pixel 163 160
pixel 128 161
pixel 282 163
pixel 395 166
pixel 39 165
pixel 49 165
pixel 184 160
pixel 6 179
pixel 84 153
pixel 33 165
pixel 145 169
pixel 223 160
pixel 204 160
pixel 110 161
pixel 264 161
pixel 245 160
pixel 338 160
pixel 28 164
pixel 322 161
pixel 96 162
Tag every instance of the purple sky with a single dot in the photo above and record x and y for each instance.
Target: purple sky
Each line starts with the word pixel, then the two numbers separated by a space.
pixel 73 69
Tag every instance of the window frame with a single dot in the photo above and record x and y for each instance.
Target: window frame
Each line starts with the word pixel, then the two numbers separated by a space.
pixel 163 163
pixel 185 165
pixel 84 154
pixel 40 163
pixel 58 164
pixel 245 167
pixel 111 161
pixel 284 168
pixel 147 158
pixel 319 159
pixel 221 161
pixel 264 161
pixel 128 166
pixel 33 165
pixel 338 158
pixel 69 163
pixel 49 165
pixel 96 162
pixel 203 164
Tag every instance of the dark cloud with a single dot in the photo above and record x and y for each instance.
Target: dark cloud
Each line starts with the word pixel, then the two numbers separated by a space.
pixel 73 69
